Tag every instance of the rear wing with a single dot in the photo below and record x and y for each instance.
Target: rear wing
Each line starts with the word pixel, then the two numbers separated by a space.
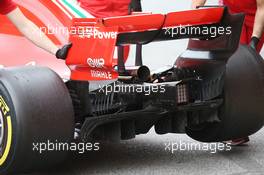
pixel 94 40
pixel 144 21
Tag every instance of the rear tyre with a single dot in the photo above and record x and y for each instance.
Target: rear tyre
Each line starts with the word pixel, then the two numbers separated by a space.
pixel 35 108
pixel 242 113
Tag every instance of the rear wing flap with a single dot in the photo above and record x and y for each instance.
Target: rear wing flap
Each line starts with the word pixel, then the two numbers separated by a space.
pixel 145 28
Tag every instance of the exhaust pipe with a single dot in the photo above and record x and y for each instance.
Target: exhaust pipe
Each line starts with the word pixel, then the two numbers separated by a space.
pixel 141 73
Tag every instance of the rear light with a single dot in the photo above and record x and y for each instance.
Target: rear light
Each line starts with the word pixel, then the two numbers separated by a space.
pixel 182 93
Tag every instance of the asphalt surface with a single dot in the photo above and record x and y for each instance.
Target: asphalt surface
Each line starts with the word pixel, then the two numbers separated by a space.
pixel 147 154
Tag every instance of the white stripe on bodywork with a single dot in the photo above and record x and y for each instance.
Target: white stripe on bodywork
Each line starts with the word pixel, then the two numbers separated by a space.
pixel 55 2
pixel 72 13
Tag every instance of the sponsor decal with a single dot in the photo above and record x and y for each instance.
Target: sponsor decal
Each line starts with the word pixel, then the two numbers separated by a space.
pixel 96 62
pixel 101 74
pixel 92 32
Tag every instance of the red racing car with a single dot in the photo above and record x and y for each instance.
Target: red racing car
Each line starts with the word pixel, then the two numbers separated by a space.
pixel 214 92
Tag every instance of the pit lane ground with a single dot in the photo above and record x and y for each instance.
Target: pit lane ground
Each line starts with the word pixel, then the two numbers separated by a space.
pixel 147 155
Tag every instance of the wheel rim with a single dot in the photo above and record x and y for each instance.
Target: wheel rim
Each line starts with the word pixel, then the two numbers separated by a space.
pixel 1 130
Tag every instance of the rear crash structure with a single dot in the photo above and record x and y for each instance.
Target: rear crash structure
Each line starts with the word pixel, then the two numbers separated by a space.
pixel 214 92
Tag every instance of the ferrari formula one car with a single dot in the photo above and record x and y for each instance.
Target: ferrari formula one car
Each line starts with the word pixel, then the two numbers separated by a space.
pixel 213 92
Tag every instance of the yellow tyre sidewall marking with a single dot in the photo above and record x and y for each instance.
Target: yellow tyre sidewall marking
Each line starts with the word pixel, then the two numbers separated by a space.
pixel 4 108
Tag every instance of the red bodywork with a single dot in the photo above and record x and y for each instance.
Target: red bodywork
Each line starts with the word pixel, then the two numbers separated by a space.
pixel 91 58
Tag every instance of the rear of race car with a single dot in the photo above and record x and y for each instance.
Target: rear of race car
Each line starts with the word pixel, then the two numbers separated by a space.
pixel 213 92
pixel 198 95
